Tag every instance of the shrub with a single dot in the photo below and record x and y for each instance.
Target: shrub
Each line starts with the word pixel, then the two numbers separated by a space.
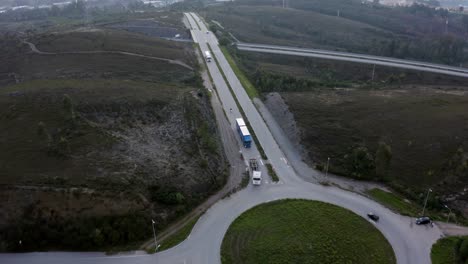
pixel 463 251
pixel 166 195
pixel 383 157
pixel 360 163
pixel 319 167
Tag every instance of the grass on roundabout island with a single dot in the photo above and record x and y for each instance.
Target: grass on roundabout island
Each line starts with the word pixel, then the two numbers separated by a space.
pixel 444 250
pixel 302 231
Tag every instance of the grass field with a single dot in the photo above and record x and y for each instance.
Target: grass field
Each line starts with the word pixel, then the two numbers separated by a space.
pixel 267 24
pixel 24 105
pixel 300 231
pixel 443 252
pixel 395 202
pixel 179 236
pixel 423 127
pixel 114 40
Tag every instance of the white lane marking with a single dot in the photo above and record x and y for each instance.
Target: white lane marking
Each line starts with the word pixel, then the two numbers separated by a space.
pixel 261 162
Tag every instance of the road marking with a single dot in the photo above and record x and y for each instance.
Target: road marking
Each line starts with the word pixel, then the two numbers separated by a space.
pixel 261 162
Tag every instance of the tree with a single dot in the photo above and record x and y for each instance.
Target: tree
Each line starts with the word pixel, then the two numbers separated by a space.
pixel 360 163
pixel 97 237
pixel 63 147
pixel 42 132
pixel 383 157
pixel 224 41
pixel 68 107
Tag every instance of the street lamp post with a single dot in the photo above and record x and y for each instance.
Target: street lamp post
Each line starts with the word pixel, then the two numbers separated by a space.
pixel 450 212
pixel 154 234
pixel 425 202
pixel 328 164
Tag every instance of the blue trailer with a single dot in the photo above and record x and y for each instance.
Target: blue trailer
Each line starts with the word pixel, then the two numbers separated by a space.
pixel 244 133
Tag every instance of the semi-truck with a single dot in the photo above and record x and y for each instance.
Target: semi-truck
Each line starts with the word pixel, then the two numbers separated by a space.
pixel 208 56
pixel 256 173
pixel 244 133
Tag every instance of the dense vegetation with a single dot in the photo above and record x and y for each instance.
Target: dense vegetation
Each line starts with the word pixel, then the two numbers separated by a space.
pixel 416 32
pixel 80 233
pixel 450 250
pixel 316 232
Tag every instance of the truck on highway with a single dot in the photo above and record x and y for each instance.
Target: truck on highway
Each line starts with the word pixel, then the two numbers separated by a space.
pixel 244 133
pixel 208 56
pixel 256 173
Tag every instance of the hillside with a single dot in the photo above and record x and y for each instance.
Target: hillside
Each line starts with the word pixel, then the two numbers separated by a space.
pixel 415 32
pixel 96 145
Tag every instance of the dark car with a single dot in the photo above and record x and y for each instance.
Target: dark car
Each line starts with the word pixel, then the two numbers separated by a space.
pixel 423 220
pixel 373 217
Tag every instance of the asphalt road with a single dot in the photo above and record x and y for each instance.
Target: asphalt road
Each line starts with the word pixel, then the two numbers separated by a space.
pixel 353 57
pixel 411 243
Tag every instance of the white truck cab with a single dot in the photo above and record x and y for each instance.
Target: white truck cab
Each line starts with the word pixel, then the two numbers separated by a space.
pixel 256 173
pixel 257 177
pixel 208 56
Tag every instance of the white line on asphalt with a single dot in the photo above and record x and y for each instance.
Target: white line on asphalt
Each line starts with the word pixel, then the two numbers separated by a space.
pixel 261 162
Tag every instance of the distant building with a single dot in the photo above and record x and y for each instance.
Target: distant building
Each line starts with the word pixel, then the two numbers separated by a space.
pixel 395 2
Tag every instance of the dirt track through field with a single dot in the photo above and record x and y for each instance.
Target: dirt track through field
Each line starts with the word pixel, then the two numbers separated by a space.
pixel 35 50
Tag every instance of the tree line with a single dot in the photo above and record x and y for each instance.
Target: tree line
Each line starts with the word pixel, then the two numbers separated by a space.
pixel 84 233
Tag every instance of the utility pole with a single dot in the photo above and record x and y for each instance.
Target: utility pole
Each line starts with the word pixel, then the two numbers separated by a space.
pixel 450 212
pixel 446 25
pixel 373 72
pixel 154 234
pixel 328 164
pixel 425 202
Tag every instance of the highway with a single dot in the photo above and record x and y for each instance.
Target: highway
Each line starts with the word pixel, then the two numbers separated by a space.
pixel 411 243
pixel 353 57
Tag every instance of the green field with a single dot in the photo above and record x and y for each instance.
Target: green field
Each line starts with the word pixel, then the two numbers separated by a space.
pixel 177 237
pixel 445 252
pixel 395 202
pixel 300 231
pixel 114 40
pixel 421 125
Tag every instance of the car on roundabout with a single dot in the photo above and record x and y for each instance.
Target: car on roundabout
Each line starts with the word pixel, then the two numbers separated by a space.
pixel 373 217
pixel 424 220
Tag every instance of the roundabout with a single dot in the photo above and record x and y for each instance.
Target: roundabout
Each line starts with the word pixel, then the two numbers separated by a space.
pixel 303 231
